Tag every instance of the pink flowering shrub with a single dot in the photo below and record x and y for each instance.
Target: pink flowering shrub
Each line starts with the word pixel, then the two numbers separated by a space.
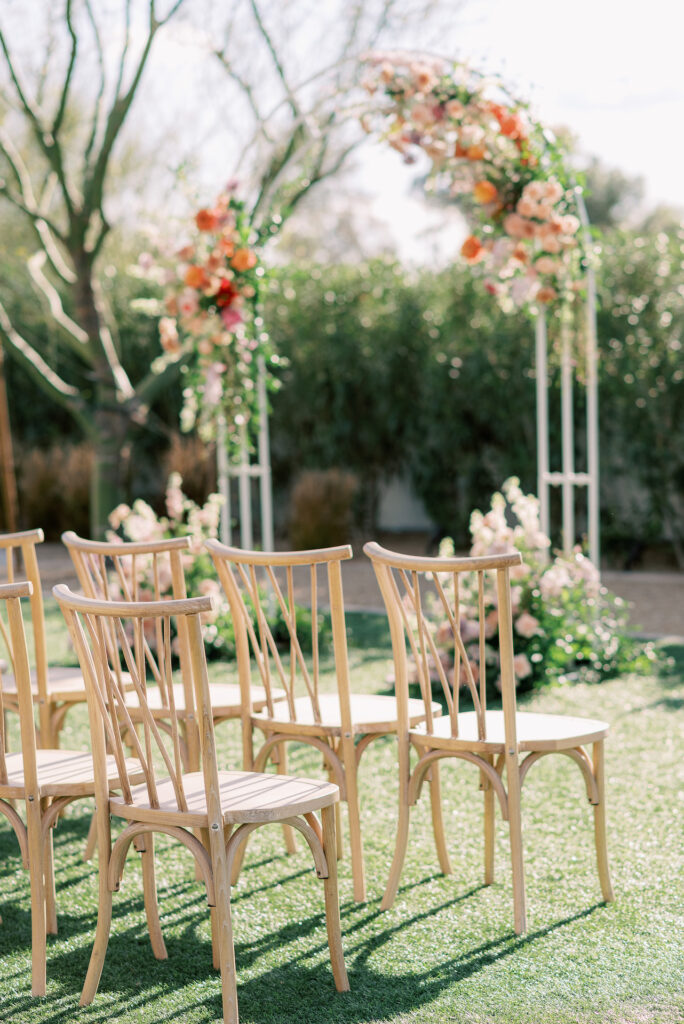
pixel 139 522
pixel 564 621
pixel 484 147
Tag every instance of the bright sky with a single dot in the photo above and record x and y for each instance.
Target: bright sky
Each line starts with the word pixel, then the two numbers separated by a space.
pixel 608 69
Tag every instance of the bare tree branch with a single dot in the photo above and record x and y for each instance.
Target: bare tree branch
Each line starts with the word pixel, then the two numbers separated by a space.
pixel 94 185
pixel 59 116
pixel 120 376
pixel 291 98
pixel 41 372
pixel 97 110
pixel 249 94
pixel 45 139
pixel 52 251
pixel 75 333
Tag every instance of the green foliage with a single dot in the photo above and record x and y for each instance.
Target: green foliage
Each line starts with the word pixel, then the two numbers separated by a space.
pixel 353 340
pixel 641 325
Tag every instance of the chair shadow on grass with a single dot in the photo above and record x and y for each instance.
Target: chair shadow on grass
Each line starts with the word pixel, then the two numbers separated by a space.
pixel 290 993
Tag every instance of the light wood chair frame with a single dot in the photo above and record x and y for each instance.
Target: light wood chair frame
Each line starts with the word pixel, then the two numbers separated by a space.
pixel 53 702
pixel 47 780
pixel 342 744
pixel 110 571
pixel 168 803
pixel 399 578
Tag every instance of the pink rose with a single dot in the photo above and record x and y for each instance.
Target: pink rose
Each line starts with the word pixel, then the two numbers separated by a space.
pixel 526 208
pixel 231 317
pixel 527 625
pixel 521 666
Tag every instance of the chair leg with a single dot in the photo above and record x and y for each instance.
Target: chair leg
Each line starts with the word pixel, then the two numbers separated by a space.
pixel 91 841
pixel 104 910
pixel 404 757
pixel 515 833
pixel 49 877
pixel 600 825
pixel 38 914
pixel 288 831
pixel 49 739
pixel 222 927
pixel 145 847
pixel 438 820
pixel 351 783
pixel 332 903
pixel 489 828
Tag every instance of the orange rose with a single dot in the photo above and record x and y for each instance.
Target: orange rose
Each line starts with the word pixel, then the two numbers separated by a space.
pixel 195 277
pixel 206 220
pixel 471 248
pixel 546 294
pixel 244 259
pixel 484 192
pixel 477 152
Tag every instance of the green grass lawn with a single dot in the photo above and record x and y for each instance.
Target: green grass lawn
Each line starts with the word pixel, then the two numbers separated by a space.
pixel 446 951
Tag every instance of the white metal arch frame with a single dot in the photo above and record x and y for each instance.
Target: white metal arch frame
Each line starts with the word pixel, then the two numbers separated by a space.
pixel 568 478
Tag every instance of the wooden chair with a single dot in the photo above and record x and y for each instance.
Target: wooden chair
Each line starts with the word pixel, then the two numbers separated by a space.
pixel 340 724
pixel 490 739
pixel 46 780
pixel 124 570
pixel 226 806
pixel 55 689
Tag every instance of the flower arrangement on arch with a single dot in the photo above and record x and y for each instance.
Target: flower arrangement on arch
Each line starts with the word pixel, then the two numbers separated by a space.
pixel 485 147
pixel 564 621
pixel 211 307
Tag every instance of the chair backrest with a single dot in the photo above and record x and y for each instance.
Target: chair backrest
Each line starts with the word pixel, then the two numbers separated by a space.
pixel 136 571
pixel 443 614
pixel 18 561
pixel 268 587
pixel 92 623
pixel 129 570
pixel 10 597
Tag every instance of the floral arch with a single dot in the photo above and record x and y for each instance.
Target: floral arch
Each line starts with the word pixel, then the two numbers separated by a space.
pixel 531 247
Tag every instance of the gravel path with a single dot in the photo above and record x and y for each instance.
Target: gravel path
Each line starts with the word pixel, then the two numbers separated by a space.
pixel 657 597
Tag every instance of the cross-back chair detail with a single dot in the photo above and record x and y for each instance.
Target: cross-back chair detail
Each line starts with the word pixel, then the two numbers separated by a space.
pixel 224 806
pixel 495 741
pixel 263 586
pixel 134 570
pixel 55 689
pixel 47 780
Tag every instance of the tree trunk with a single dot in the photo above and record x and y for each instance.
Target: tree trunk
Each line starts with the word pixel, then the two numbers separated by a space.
pixel 106 485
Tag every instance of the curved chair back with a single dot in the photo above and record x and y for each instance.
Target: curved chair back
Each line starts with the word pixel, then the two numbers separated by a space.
pixel 461 592
pixel 265 591
pixel 19 561
pixel 11 595
pixel 141 634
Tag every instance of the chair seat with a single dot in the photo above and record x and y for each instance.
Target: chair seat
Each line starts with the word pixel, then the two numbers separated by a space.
pixel 225 699
pixel 63 773
pixel 245 797
pixel 62 684
pixel 369 713
pixel 534 732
